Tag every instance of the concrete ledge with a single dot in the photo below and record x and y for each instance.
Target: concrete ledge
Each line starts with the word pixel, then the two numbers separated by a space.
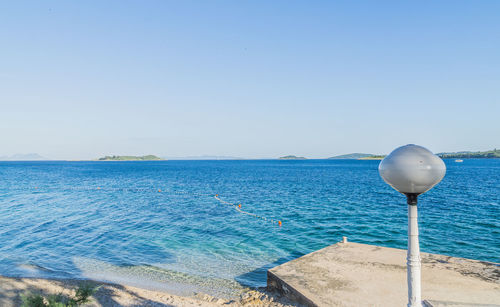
pixel 433 303
pixel 274 283
pixel 353 274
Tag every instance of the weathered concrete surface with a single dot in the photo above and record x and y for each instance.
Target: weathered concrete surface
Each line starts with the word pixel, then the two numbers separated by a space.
pixel 431 303
pixel 353 274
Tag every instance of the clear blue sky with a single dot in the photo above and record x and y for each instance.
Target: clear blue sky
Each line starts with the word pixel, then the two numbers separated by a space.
pixel 80 79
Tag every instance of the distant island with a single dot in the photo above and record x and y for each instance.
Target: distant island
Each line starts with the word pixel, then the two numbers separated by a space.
pixel 373 157
pixel 359 156
pixel 23 157
pixel 495 153
pixel 291 157
pixel 130 158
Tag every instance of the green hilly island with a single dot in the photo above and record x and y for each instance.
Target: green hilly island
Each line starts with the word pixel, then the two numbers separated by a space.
pixel 489 154
pixel 495 153
pixel 130 158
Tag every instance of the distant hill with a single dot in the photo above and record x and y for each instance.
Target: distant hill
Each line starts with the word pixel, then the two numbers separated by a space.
pixel 291 157
pixel 353 156
pixel 130 158
pixel 23 157
pixel 495 153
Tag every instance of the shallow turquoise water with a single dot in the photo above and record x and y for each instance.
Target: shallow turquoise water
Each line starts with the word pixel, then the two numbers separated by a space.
pixel 108 220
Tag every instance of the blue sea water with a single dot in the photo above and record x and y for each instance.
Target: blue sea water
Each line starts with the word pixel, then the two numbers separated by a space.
pixel 157 224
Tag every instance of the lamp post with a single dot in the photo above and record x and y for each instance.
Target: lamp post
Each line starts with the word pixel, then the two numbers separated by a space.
pixel 412 170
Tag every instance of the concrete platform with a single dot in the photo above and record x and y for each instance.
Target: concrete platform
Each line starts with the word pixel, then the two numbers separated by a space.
pixel 353 274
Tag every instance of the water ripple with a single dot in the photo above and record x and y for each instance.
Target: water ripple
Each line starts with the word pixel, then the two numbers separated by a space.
pixel 157 223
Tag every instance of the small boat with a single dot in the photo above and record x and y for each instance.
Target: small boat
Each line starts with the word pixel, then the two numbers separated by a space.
pixel 459 160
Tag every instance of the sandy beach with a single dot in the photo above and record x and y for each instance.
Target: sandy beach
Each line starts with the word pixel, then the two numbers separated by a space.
pixel 11 290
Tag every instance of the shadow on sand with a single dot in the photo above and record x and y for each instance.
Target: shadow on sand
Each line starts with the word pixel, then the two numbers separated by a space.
pixel 12 289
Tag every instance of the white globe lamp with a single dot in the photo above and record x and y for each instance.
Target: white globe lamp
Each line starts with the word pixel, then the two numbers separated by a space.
pixel 412 170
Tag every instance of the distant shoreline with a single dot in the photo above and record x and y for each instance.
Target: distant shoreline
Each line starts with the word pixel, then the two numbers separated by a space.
pixel 263 159
pixel 489 154
pixel 130 158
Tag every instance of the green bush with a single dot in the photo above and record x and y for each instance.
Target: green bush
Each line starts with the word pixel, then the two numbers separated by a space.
pixel 82 295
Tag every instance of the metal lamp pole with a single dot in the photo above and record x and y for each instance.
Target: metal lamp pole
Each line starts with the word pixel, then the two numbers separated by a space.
pixel 413 260
pixel 412 170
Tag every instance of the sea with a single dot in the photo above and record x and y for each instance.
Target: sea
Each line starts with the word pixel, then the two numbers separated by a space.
pixel 214 226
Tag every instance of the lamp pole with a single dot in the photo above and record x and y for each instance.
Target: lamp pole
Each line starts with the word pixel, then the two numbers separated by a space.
pixel 413 260
pixel 412 170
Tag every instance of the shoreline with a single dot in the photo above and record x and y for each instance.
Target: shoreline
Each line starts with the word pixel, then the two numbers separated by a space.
pixel 264 159
pixel 114 294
